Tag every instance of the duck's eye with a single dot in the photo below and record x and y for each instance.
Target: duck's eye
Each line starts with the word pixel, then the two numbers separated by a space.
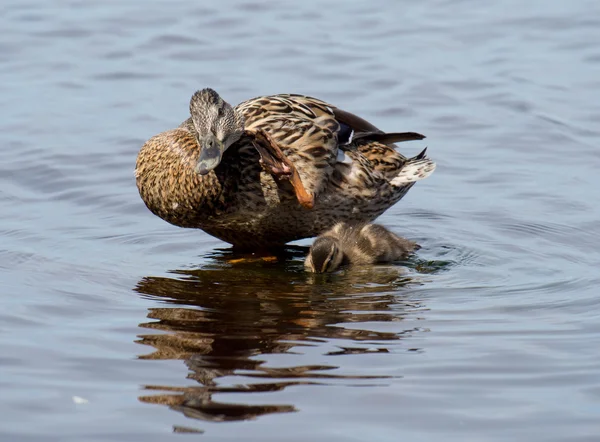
pixel 220 113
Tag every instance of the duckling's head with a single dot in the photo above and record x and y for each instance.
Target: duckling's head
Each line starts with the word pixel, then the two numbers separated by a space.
pixel 325 255
pixel 217 126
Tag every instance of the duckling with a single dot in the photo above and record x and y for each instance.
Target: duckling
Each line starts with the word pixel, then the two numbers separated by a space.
pixel 358 244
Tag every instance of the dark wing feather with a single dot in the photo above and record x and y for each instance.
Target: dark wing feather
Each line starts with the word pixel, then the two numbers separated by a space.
pixel 354 121
pixel 363 130
pixel 388 138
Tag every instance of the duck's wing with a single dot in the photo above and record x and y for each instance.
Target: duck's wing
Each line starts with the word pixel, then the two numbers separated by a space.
pixel 319 137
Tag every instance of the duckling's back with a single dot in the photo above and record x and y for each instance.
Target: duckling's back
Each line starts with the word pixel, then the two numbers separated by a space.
pixel 364 243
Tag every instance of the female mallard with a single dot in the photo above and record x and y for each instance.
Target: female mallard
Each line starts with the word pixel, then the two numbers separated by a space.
pixel 273 169
pixel 356 244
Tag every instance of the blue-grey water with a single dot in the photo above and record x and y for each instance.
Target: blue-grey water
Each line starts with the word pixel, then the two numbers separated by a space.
pixel 116 326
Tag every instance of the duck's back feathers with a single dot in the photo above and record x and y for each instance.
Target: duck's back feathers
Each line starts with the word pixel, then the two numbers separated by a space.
pixel 305 130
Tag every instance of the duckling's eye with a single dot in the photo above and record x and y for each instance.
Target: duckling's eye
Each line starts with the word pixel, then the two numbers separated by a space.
pixel 329 263
pixel 325 265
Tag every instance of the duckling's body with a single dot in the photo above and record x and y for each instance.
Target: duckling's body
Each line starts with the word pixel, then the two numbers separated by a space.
pixel 356 244
pixel 347 165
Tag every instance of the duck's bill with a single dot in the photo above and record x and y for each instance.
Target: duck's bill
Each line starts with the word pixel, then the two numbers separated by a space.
pixel 210 157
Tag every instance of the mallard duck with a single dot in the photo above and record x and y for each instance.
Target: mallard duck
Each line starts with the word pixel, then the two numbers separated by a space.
pixel 356 244
pixel 273 169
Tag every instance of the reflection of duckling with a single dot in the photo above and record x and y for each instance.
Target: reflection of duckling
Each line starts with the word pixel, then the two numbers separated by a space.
pixel 356 244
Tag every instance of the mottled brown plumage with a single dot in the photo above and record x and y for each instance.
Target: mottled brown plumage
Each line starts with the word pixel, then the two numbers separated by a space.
pixel 356 244
pixel 207 173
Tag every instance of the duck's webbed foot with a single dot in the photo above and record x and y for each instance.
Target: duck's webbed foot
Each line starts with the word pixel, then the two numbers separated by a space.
pixel 273 161
pixel 251 259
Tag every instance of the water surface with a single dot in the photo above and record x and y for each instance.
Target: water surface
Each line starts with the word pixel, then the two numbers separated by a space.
pixel 115 325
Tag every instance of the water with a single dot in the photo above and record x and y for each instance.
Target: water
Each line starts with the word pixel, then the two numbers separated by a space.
pixel 117 326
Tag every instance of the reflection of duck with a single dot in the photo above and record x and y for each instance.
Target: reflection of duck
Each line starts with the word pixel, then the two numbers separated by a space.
pixel 220 325
pixel 358 244
pixel 208 173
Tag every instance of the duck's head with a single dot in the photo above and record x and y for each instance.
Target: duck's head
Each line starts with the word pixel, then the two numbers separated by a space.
pixel 217 126
pixel 325 255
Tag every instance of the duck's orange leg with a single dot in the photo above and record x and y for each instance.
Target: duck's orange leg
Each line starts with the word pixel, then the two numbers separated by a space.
pixel 273 160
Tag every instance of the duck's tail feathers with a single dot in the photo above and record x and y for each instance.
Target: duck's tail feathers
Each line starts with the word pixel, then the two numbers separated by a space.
pixel 416 168
pixel 420 156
